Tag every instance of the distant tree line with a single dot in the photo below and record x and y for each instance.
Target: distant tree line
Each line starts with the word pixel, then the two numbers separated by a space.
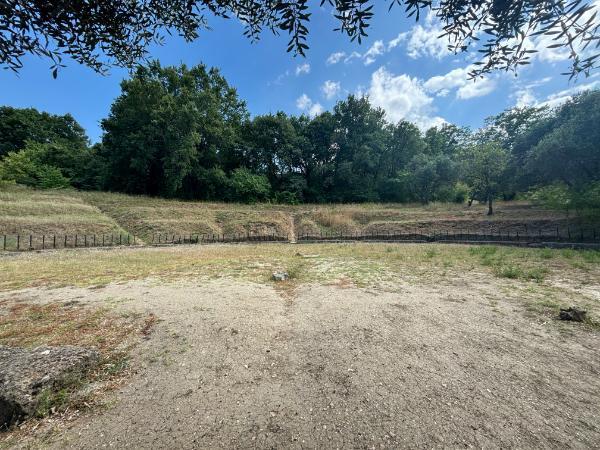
pixel 181 132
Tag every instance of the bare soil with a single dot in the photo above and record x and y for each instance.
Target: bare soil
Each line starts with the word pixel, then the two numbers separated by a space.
pixel 234 364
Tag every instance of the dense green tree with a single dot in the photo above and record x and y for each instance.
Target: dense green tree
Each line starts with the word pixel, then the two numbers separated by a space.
pixel 17 126
pixel 167 124
pixel 427 174
pixel 271 146
pixel 569 150
pixel 446 140
pixel 33 166
pixel 485 170
pixel 318 150
pixel 249 187
pixel 361 137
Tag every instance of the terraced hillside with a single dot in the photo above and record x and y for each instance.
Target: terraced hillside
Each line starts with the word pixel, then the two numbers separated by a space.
pixel 27 211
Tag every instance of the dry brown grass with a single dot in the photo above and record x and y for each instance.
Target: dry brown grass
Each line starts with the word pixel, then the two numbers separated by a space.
pixel 29 325
pixel 145 216
pixel 25 211
pixel 341 221
pixel 28 211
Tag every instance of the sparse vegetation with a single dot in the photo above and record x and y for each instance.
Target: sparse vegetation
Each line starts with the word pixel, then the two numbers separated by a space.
pixel 26 211
pixel 24 324
pixel 362 262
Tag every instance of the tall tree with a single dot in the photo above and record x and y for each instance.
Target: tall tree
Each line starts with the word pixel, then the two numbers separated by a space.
pixel 485 171
pixel 569 151
pixel 361 137
pixel 427 174
pixel 446 140
pixel 168 124
pixel 17 126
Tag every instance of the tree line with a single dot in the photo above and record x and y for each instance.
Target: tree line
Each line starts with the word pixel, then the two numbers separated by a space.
pixel 180 132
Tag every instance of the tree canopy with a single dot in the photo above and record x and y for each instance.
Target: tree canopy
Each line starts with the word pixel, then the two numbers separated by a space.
pixel 108 32
pixel 18 126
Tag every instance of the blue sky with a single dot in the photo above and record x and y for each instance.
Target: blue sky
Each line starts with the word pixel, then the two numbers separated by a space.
pixel 402 66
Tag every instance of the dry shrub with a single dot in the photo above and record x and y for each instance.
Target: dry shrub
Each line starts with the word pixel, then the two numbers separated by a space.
pixel 336 221
pixel 307 226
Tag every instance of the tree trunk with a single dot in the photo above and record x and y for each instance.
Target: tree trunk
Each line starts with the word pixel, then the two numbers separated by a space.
pixel 490 209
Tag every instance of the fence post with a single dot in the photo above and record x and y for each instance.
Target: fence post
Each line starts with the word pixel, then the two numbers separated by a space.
pixel 75 240
pixel 4 243
pixel 54 241
pixel 18 241
pixel 30 242
pixel 65 246
pixel 43 242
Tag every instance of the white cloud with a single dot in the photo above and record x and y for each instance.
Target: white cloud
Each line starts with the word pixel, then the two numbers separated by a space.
pixel 352 56
pixel 558 98
pixel 402 97
pixel 303 69
pixel 330 89
pixel 525 97
pixel 315 110
pixel 457 79
pixel 397 41
pixel 423 40
pixel 476 88
pixel 305 104
pixel 443 83
pixel 370 55
pixel 378 48
pixel 335 58
pixel 524 93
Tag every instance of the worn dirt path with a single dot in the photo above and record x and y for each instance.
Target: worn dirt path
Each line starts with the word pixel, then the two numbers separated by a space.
pixel 236 365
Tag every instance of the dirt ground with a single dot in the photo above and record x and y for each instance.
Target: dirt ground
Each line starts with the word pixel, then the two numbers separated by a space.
pixel 236 364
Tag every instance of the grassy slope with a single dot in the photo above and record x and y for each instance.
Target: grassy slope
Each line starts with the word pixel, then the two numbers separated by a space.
pixel 27 211
pixel 144 216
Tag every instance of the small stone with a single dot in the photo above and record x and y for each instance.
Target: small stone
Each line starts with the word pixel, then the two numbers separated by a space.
pixel 573 314
pixel 280 276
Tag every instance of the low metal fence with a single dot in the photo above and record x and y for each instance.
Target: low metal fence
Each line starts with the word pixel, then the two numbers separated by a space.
pixel 580 235
pixel 29 242
pixel 25 242
pixel 214 238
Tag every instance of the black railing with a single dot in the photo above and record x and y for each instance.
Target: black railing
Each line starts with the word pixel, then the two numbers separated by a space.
pixel 213 238
pixel 579 235
pixel 24 242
